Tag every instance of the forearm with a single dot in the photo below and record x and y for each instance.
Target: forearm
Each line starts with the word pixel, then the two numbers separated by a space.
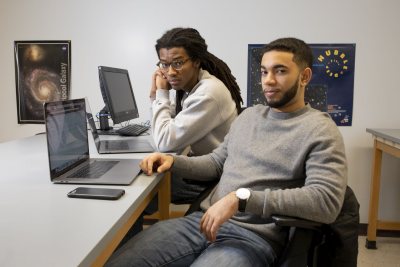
pixel 162 114
pixel 309 202
pixel 202 168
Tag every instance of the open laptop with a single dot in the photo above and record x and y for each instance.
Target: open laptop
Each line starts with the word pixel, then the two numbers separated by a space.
pixel 131 145
pixel 68 149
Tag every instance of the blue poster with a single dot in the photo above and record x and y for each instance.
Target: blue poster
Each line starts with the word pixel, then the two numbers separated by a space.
pixel 331 87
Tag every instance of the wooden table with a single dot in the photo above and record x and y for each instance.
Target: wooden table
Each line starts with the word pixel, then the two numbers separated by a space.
pixel 388 141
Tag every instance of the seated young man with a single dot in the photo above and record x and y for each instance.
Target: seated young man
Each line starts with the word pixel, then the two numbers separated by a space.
pixel 207 101
pixel 285 158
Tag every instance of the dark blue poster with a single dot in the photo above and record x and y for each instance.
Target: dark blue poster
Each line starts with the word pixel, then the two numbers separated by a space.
pixel 332 84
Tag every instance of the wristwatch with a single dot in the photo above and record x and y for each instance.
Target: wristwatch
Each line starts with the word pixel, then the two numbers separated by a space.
pixel 243 194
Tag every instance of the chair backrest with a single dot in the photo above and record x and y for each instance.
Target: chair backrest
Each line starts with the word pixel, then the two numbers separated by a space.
pixel 341 237
pixel 334 245
pixel 195 206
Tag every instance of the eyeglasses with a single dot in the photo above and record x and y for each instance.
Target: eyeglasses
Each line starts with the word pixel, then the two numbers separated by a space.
pixel 176 65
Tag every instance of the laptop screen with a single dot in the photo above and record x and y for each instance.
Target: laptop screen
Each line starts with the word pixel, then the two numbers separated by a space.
pixel 67 139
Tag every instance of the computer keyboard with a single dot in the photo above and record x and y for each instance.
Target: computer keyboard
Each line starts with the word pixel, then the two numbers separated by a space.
pixel 132 129
pixel 107 132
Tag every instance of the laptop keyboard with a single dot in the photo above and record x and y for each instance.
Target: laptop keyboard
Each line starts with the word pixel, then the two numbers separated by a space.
pixel 93 170
pixel 115 145
pixel 133 129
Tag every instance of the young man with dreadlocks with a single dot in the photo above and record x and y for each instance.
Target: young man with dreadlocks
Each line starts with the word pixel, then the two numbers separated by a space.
pixel 285 158
pixel 207 101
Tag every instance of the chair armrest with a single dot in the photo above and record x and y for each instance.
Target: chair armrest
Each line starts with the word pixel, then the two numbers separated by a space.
pixel 288 221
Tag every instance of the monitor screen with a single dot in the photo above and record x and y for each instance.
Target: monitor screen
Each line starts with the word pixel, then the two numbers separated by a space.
pixel 117 93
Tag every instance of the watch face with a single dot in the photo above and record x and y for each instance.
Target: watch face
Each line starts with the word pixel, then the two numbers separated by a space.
pixel 243 193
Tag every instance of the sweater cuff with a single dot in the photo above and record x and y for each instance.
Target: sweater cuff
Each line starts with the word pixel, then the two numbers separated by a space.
pixel 162 94
pixel 255 204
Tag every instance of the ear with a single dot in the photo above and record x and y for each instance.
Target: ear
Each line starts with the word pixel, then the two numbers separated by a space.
pixel 196 63
pixel 306 76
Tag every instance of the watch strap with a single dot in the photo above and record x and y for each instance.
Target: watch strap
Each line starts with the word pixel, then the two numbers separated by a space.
pixel 242 204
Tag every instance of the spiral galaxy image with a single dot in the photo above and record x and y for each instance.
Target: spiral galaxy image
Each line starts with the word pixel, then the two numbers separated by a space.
pixel 42 74
pixel 44 85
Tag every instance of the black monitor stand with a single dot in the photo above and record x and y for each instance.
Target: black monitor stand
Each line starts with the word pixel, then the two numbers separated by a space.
pixel 103 117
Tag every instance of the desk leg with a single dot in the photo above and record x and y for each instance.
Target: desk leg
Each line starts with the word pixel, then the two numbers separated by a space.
pixel 164 196
pixel 374 198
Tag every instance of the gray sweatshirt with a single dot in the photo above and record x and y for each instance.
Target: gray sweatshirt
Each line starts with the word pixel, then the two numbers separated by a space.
pixel 208 111
pixel 293 163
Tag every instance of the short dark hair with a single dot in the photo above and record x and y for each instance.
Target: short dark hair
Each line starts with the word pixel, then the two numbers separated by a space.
pixel 302 53
pixel 196 48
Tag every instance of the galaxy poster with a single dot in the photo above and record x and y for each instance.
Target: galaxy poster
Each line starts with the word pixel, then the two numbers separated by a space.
pixel 42 74
pixel 331 87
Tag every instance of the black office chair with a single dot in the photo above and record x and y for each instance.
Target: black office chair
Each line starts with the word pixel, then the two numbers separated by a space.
pixel 314 244
pixel 195 206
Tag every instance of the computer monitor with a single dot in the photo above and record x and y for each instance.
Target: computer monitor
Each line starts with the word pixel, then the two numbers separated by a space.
pixel 117 93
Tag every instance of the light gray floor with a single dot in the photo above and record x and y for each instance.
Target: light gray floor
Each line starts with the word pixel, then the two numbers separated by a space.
pixel 387 254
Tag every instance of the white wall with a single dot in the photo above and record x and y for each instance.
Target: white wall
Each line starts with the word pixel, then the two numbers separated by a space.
pixel 122 33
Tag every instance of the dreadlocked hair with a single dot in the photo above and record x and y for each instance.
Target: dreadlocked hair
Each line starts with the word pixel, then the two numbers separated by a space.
pixel 196 47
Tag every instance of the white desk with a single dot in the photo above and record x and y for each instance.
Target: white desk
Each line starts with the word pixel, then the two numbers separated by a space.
pixel 41 226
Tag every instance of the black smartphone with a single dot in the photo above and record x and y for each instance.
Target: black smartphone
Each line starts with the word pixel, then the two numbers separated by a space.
pixel 96 193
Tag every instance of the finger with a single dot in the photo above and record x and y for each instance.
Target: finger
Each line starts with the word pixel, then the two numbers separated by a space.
pixel 159 73
pixel 209 234
pixel 143 165
pixel 166 163
pixel 163 167
pixel 203 223
pixel 156 161
pixel 150 163
pixel 208 229
pixel 213 232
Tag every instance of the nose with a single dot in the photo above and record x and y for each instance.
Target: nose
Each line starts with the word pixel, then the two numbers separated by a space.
pixel 268 78
pixel 171 70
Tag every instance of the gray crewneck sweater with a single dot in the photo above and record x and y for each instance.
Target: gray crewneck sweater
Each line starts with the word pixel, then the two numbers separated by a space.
pixel 293 163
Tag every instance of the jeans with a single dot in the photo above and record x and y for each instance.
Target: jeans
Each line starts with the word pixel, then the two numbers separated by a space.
pixel 178 242
pixel 182 192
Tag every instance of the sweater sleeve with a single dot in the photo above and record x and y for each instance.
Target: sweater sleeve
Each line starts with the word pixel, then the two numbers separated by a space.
pixel 202 168
pixel 201 114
